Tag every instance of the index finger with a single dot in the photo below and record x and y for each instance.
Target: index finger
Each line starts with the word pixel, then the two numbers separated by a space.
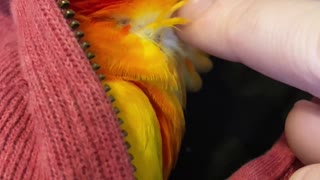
pixel 277 38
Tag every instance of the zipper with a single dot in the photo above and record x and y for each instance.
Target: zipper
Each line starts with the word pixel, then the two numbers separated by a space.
pixel 74 25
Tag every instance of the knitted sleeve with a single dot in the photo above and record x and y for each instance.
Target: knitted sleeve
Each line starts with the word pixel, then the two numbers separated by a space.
pixel 55 121
pixel 278 163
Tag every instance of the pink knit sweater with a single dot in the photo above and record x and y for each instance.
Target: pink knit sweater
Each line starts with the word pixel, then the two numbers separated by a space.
pixel 55 120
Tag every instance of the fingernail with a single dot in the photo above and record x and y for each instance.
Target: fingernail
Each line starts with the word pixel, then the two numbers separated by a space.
pixel 194 8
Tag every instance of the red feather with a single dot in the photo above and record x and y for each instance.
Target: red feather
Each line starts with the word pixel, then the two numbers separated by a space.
pixel 86 7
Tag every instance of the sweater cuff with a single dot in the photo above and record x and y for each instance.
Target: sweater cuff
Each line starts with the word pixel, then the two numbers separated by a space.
pixel 277 163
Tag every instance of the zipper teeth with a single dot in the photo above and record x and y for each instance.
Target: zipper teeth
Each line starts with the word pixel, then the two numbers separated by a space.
pixel 74 25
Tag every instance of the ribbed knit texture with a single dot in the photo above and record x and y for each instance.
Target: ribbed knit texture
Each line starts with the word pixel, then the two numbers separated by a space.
pixel 55 120
pixel 278 163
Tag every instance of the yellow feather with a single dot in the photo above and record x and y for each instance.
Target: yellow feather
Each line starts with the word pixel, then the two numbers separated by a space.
pixel 149 70
pixel 142 126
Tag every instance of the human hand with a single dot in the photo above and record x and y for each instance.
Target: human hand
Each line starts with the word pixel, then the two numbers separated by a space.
pixel 280 39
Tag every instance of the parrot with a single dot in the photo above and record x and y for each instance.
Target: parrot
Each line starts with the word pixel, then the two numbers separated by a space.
pixel 149 70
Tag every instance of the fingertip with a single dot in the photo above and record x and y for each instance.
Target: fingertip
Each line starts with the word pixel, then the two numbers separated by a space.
pixel 194 8
pixel 208 27
pixel 311 172
pixel 303 131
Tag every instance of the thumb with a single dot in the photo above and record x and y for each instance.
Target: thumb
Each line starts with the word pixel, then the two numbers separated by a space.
pixel 303 131
pixel 311 172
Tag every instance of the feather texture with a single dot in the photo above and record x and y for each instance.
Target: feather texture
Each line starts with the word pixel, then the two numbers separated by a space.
pixel 142 125
pixel 149 69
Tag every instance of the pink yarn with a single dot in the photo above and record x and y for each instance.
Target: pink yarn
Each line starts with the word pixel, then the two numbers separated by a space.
pixel 278 163
pixel 55 120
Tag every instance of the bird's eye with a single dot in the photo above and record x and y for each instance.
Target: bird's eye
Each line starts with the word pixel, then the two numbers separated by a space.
pixel 123 22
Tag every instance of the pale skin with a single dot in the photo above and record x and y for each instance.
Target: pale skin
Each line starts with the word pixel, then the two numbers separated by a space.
pixel 279 38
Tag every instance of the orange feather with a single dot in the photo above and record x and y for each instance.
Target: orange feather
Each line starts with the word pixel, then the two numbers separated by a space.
pixel 134 42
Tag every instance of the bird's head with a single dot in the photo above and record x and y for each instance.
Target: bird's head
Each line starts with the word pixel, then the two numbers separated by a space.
pixel 135 39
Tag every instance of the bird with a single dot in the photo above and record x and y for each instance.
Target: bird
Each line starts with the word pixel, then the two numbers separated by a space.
pixel 149 70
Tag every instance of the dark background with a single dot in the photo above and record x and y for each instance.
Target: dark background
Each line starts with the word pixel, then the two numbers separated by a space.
pixel 236 117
